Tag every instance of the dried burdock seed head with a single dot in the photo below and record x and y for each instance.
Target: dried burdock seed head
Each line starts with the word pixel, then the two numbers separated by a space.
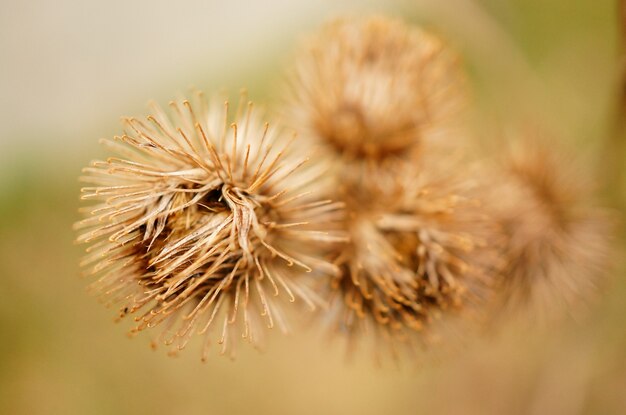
pixel 559 241
pixel 373 88
pixel 424 257
pixel 207 222
pixel 380 100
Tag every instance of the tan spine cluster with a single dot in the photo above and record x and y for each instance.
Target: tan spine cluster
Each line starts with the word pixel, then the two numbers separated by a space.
pixel 206 223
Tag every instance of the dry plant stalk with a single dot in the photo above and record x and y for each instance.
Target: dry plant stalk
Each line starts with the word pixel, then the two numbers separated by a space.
pixel 205 224
pixel 614 154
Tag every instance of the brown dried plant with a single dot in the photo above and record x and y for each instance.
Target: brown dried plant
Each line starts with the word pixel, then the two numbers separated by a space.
pixel 373 89
pixel 558 241
pixel 206 221
pixel 423 254
pixel 380 100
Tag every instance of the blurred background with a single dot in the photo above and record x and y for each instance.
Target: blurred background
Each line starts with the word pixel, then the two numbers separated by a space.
pixel 69 69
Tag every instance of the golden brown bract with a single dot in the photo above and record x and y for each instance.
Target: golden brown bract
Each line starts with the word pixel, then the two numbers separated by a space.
pixel 207 221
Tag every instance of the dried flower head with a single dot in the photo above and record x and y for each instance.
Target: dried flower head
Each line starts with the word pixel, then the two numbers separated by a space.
pixel 374 88
pixel 377 97
pixel 425 251
pixel 205 223
pixel 558 241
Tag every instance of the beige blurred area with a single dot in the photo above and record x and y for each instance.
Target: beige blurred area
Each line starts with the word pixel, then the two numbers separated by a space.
pixel 69 69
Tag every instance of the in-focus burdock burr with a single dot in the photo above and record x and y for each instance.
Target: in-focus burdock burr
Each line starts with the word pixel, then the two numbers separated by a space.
pixel 206 222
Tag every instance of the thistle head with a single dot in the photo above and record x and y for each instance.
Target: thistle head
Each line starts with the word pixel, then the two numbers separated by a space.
pixel 373 88
pixel 559 241
pixel 205 222
pixel 418 261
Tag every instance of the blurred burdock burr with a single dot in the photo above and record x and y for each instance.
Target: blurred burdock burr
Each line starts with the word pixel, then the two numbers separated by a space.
pixel 373 89
pixel 380 101
pixel 208 221
pixel 559 242
pixel 421 259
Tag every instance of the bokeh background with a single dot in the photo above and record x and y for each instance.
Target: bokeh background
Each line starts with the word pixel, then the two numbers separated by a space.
pixel 69 69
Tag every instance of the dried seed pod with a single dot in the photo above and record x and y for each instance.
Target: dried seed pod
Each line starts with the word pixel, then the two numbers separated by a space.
pixel 559 241
pixel 206 223
pixel 425 255
pixel 373 89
